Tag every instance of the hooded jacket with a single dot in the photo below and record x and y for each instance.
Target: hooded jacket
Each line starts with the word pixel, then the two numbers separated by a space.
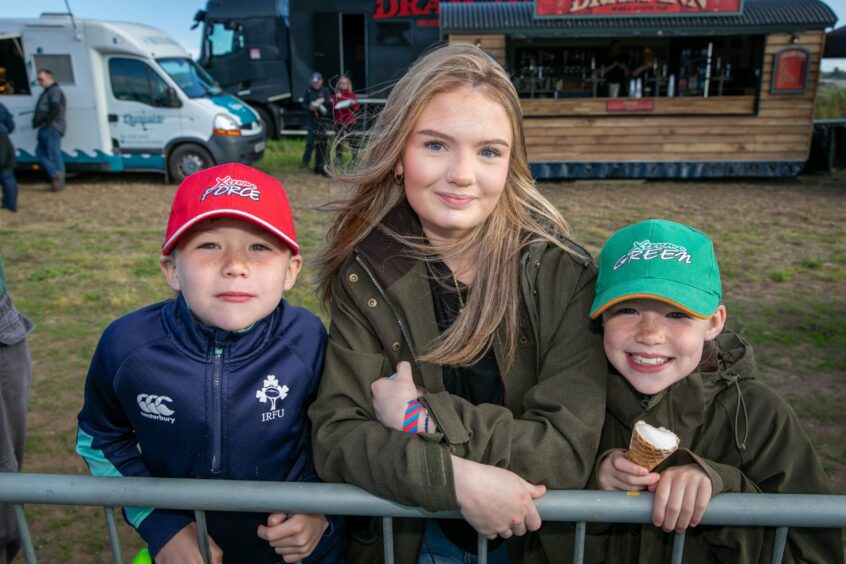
pixel 547 432
pixel 202 402
pixel 744 436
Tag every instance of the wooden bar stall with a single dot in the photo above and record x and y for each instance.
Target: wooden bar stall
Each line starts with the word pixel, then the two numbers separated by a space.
pixel 657 88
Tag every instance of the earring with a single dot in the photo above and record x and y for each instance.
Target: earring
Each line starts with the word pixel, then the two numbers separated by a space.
pixel 399 179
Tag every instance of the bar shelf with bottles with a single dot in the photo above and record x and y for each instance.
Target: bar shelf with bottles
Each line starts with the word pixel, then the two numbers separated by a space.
pixel 685 75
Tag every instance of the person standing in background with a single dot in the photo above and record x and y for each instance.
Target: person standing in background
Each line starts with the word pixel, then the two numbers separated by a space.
pixel 647 72
pixel 616 69
pixel 49 120
pixel 316 102
pixel 7 161
pixel 344 109
pixel 15 381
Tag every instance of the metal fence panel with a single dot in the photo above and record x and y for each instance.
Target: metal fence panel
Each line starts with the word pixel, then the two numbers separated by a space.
pixel 580 507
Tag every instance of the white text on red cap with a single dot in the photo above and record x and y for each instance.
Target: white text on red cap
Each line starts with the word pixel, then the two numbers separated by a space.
pixel 228 186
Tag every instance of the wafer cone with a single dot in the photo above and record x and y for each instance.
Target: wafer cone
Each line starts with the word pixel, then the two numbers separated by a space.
pixel 643 453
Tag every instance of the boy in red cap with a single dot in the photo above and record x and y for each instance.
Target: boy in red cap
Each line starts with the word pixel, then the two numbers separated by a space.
pixel 215 383
pixel 659 295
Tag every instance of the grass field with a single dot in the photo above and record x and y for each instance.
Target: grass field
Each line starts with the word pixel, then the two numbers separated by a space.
pixel 76 260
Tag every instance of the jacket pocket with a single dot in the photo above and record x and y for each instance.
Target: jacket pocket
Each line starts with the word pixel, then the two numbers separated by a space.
pixel 14 327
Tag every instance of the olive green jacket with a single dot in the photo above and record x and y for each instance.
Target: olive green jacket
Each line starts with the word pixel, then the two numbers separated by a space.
pixel 548 431
pixel 745 437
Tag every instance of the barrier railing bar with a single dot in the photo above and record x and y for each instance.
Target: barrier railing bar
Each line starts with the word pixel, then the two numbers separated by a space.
pixel 579 549
pixel 764 510
pixel 481 549
pixel 388 536
pixel 202 535
pixel 114 536
pixel 778 545
pixel 678 548
pixel 23 532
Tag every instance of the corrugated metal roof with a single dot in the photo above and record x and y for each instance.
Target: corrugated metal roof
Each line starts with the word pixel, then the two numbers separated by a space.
pixel 518 17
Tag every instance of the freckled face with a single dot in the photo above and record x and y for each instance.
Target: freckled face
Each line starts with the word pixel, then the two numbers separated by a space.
pixel 231 272
pixel 455 162
pixel 654 344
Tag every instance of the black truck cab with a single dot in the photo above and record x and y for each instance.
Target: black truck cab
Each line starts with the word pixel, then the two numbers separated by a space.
pixel 265 51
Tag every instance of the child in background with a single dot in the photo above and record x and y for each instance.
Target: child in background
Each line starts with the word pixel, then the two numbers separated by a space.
pixel 659 295
pixel 344 111
pixel 215 383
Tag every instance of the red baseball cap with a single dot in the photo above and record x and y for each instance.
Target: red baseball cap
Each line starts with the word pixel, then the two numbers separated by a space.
pixel 231 190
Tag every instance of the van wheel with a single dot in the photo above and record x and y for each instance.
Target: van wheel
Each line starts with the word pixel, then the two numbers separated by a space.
pixel 267 123
pixel 187 159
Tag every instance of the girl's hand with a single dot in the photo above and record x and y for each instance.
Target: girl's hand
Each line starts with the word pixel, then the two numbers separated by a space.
pixel 391 396
pixel 293 538
pixel 681 497
pixel 495 501
pixel 183 548
pixel 616 472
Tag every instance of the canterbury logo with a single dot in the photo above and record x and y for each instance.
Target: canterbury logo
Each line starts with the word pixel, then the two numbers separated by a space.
pixel 154 407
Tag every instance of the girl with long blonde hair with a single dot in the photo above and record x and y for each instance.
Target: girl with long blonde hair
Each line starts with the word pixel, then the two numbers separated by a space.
pixel 460 371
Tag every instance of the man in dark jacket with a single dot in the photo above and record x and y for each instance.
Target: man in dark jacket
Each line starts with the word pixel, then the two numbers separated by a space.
pixel 316 102
pixel 49 120
pixel 7 161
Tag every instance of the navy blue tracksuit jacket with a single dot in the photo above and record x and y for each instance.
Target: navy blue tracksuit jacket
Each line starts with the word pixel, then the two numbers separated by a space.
pixel 167 396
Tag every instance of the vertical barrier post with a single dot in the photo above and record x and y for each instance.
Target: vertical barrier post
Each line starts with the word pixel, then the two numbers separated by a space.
pixel 202 535
pixel 678 548
pixel 778 545
pixel 579 548
pixel 114 537
pixel 388 538
pixel 482 549
pixel 23 531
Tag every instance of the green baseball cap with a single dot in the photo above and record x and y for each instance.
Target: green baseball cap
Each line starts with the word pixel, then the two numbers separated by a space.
pixel 660 260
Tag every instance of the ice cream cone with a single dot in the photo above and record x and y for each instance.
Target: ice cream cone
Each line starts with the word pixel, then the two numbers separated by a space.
pixel 649 446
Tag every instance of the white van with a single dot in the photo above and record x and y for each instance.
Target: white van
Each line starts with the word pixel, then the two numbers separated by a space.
pixel 135 99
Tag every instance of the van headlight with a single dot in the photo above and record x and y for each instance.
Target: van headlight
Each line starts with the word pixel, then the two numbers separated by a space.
pixel 225 125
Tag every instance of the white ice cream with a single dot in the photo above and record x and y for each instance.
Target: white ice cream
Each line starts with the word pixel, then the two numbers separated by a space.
pixel 659 438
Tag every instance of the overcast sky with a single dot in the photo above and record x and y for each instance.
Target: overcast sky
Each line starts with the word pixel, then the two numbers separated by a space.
pixel 177 16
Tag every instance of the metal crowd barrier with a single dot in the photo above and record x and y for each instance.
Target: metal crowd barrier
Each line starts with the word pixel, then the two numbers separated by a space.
pixel 581 507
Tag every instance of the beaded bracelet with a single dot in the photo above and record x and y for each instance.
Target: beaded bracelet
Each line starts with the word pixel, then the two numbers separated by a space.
pixel 412 415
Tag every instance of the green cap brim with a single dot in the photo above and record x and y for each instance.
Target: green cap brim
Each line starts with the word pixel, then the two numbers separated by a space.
pixel 689 299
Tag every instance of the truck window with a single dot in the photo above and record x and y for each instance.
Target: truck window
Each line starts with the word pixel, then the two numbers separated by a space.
pixel 225 39
pixel 135 81
pixel 12 68
pixel 393 33
pixel 59 65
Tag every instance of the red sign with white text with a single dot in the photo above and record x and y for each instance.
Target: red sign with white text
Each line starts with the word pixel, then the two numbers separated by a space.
pixel 581 8
pixel 628 105
pixel 791 71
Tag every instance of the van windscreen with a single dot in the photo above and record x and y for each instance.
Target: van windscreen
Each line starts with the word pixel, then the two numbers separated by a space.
pixel 190 77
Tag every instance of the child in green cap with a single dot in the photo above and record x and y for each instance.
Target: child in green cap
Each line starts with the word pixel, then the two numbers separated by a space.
pixel 658 295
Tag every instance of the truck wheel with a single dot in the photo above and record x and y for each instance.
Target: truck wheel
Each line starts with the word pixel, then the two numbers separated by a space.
pixel 187 159
pixel 267 123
